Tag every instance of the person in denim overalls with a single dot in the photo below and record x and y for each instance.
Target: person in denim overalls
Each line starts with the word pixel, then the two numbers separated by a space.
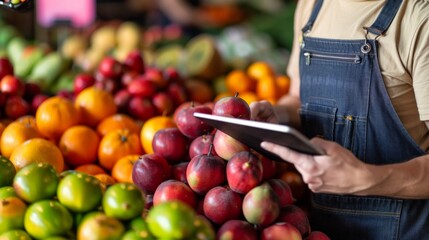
pixel 343 99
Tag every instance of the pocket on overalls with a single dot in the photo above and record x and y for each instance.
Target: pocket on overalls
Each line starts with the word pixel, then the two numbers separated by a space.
pixel 353 217
pixel 318 120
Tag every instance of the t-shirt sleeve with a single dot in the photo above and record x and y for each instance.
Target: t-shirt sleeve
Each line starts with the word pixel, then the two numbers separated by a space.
pixel 420 70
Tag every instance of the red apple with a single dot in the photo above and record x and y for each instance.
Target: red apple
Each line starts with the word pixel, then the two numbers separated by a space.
pixel 122 99
pixel 294 215
pixel 179 171
pixel 16 107
pixel 178 93
pixel 109 67
pixel 134 62
pixel 296 184
pixel 156 76
pixel 6 67
pixel 243 172
pixel 141 108
pixel 11 85
pixel 127 77
pixel 107 84
pixel 141 87
pixel 3 99
pixel 163 103
pixel 172 75
pixel 82 81
pixel 37 100
pixel 65 94
pixel 283 191
pixel 317 235
pixel 191 126
pixel 150 171
pixel 280 231
pixel 261 205
pixel 205 172
pixel 183 106
pixel 171 190
pixel 171 144
pixel 31 90
pixel 222 204
pixel 232 106
pixel 201 145
pixel 269 167
pixel 237 230
pixel 226 146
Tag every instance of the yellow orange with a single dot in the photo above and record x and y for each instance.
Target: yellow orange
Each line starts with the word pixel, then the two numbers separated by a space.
pixel 258 70
pixel 37 150
pixel 283 84
pixel 150 127
pixel 266 88
pixel 117 144
pixel 249 97
pixel 79 145
pixel 55 115
pixel 239 81
pixel 91 169
pixel 15 134
pixel 94 105
pixel 117 121
pixel 123 168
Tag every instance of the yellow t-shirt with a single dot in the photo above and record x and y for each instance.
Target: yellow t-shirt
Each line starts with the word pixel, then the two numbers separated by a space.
pixel 403 51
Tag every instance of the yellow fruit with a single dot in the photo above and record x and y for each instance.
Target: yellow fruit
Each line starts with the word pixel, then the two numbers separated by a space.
pixel 150 127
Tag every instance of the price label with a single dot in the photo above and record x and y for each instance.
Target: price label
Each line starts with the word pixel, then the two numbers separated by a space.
pixel 76 13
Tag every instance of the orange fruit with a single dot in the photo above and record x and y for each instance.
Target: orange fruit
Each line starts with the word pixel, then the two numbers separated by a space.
pixel 259 69
pixel 91 169
pixel 199 91
pixel 28 119
pixel 79 145
pixel 239 81
pixel 105 179
pixel 15 134
pixel 94 105
pixel 55 115
pixel 117 144
pixel 249 97
pixel 150 127
pixel 117 121
pixel 37 150
pixel 283 84
pixel 123 168
pixel 266 88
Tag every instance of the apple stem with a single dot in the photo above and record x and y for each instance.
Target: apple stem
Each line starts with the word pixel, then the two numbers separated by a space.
pixel 210 150
pixel 236 94
pixel 192 104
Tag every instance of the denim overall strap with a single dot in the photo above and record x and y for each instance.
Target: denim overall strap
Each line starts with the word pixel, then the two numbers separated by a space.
pixel 384 19
pixel 344 99
pixel 313 16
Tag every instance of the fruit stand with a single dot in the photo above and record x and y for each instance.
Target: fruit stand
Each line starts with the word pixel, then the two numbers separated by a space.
pixel 98 138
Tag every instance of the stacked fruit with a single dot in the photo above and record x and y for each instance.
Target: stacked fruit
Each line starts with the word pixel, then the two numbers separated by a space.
pixel 38 202
pixel 236 188
pixel 257 82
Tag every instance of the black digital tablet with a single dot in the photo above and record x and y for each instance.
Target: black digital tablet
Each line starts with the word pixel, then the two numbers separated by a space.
pixel 252 133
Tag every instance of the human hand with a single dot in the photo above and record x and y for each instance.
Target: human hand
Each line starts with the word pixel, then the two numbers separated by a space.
pixel 263 111
pixel 339 171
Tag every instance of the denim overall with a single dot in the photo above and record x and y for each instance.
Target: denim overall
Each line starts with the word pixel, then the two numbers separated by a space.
pixel 344 100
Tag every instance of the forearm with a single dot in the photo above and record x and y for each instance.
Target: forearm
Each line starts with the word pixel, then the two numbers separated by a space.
pixel 287 110
pixel 408 180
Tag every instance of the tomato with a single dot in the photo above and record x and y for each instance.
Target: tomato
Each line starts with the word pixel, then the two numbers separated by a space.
pixel 7 191
pixel 7 172
pixel 173 219
pixel 12 211
pixel 15 235
pixel 47 218
pixel 80 192
pixel 123 201
pixel 98 225
pixel 36 181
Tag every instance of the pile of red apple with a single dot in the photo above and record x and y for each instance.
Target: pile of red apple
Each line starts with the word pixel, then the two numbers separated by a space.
pixel 17 97
pixel 138 90
pixel 234 187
